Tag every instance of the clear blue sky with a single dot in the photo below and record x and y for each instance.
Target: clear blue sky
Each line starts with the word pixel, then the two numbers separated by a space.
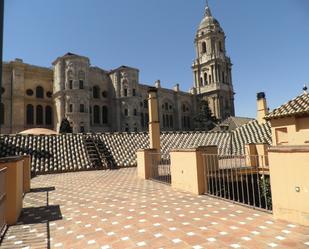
pixel 268 41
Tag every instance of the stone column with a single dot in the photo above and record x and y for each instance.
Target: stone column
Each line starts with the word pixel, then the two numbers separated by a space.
pixel 154 124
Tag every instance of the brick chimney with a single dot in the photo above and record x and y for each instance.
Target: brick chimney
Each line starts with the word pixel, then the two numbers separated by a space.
pixel 262 109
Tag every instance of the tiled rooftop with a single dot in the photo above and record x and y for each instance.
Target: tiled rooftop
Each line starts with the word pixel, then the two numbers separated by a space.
pixel 296 106
pixel 63 153
pixel 115 209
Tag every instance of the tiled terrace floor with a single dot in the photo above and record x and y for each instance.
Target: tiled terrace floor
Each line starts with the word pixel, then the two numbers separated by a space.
pixel 114 209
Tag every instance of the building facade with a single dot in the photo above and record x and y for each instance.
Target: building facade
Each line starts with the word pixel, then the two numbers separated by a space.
pixel 97 100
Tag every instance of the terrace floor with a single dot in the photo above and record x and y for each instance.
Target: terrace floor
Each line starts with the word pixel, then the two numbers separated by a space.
pixel 115 209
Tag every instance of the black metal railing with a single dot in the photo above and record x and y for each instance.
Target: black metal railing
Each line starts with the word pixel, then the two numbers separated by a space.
pixel 160 167
pixel 239 178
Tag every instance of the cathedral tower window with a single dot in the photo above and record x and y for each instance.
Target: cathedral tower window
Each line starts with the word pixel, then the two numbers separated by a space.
pixel 135 112
pixel 205 79
pixel 39 115
pixel 126 112
pixel 48 115
pixel 134 92
pixel 104 115
pixel 204 48
pixel 39 92
pixel 70 108
pixel 220 46
pixel 29 114
pixel 2 113
pixel 125 92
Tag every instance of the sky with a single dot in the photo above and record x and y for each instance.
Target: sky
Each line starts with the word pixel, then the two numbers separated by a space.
pixel 268 41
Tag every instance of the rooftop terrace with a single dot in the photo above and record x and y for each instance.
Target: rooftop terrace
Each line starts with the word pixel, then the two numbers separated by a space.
pixel 115 209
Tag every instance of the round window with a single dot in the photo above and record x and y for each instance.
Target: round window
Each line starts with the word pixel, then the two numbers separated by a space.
pixel 29 92
pixel 49 94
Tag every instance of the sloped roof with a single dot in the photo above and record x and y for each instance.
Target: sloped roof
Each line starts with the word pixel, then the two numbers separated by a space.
pixel 232 123
pixel 295 107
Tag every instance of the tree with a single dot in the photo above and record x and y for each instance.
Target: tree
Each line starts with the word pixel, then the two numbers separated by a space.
pixel 205 120
pixel 65 126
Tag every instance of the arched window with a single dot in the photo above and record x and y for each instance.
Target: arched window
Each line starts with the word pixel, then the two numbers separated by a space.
pixel 39 92
pixel 39 115
pixel 104 115
pixel 126 112
pixel 204 49
pixel 81 108
pixel 48 115
pixel 135 112
pixel 134 92
pixel 70 84
pixel 96 92
pixel 1 113
pixel 142 120
pixel 125 92
pixel 29 114
pixel 81 84
pixel 96 114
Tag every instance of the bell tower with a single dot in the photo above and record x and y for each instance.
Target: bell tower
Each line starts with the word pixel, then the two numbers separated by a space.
pixel 212 68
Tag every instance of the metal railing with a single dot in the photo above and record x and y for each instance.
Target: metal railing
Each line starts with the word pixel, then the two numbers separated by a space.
pixel 160 167
pixel 239 178
pixel 2 201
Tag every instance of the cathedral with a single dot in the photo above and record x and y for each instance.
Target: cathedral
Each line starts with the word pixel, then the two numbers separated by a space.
pixel 98 100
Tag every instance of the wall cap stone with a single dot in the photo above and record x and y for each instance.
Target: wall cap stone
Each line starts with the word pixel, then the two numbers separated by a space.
pixel 11 159
pixel 284 149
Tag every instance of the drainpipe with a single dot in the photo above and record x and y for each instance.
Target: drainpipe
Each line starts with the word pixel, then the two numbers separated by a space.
pixel 154 124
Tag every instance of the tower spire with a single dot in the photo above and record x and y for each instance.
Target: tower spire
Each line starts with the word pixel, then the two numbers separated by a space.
pixel 207 9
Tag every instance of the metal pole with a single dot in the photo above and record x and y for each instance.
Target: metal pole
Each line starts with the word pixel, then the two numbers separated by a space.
pixel 1 46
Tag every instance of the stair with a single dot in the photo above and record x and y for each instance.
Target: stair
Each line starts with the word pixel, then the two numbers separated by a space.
pixel 106 157
pixel 93 153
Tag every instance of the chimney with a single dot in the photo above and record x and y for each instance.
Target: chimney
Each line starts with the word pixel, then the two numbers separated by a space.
pixel 154 124
pixel 262 109
pixel 176 88
pixel 158 84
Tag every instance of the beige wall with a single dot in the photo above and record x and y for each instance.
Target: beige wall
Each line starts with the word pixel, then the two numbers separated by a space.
pixel 13 188
pixel 297 131
pixel 187 169
pixel 289 171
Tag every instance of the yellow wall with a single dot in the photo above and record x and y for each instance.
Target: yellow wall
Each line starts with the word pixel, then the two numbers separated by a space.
pixel 289 170
pixel 187 169
pixel 13 188
pixel 297 130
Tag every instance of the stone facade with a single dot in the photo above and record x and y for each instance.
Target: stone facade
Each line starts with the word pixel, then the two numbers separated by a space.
pixel 97 100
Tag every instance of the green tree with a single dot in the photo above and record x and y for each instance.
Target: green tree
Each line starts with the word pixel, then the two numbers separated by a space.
pixel 205 120
pixel 65 126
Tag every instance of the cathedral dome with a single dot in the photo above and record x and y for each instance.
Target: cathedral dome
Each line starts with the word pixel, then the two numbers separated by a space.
pixel 209 23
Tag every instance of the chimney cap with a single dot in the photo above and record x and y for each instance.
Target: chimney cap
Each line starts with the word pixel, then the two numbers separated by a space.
pixel 261 95
pixel 152 89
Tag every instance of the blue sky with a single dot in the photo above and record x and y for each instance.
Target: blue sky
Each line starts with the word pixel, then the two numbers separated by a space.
pixel 268 41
